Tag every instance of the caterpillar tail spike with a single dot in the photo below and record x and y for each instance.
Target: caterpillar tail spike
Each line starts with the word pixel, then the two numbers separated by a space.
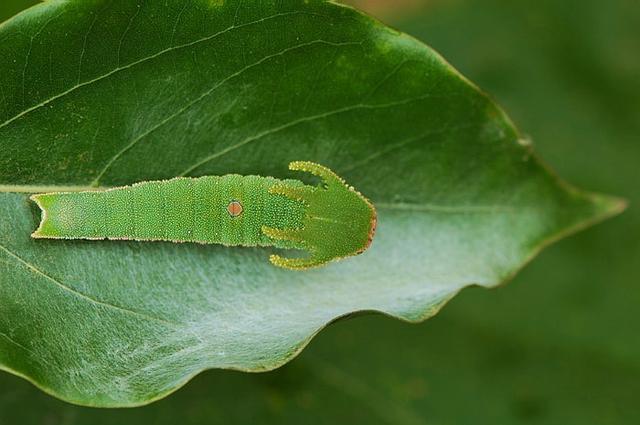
pixel 339 222
pixel 329 221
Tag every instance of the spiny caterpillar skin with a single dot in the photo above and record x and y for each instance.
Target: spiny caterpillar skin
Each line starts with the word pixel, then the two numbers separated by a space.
pixel 329 221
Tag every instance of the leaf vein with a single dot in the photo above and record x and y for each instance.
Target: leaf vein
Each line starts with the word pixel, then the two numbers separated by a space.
pixel 298 121
pixel 396 146
pixel 453 209
pixel 124 34
pixel 84 47
pixel 141 61
pixel 79 294
pixel 203 96
pixel 17 344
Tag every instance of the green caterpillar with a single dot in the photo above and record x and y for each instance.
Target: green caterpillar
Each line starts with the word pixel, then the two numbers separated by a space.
pixel 329 221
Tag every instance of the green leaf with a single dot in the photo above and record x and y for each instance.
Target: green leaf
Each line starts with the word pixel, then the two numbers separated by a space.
pixel 114 92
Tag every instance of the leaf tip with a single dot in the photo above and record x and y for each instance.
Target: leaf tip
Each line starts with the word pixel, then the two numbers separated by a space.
pixel 607 206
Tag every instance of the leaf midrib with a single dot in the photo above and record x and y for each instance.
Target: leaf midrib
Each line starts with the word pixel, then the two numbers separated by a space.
pixel 399 206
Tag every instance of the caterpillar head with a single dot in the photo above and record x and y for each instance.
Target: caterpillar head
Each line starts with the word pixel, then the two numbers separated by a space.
pixel 339 222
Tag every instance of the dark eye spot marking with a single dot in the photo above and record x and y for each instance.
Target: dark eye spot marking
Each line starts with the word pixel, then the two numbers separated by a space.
pixel 234 208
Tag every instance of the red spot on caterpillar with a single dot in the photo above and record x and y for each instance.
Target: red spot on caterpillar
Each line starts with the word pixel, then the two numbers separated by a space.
pixel 234 208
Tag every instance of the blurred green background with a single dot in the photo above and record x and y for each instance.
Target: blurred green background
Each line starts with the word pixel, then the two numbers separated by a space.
pixel 558 345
